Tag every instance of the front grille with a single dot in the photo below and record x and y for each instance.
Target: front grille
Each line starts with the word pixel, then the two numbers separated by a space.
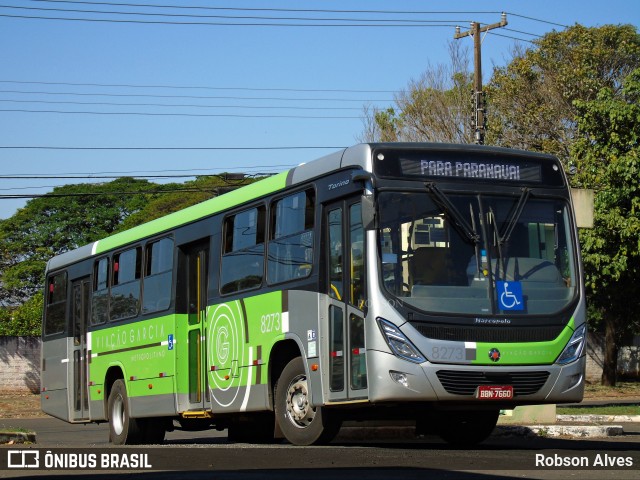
pixel 463 333
pixel 460 382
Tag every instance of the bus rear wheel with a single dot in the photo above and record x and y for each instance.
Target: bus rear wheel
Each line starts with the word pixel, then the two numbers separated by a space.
pixel 300 423
pixel 123 430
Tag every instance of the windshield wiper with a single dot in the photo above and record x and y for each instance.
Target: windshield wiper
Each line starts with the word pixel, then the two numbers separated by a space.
pixel 459 221
pixel 504 237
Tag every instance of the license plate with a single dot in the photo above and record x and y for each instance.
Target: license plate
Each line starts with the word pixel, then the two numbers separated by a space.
pixel 494 392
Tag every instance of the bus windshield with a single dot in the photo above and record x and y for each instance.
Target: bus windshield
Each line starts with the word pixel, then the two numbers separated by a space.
pixel 514 254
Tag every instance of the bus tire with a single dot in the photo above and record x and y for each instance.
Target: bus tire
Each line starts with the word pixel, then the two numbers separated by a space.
pixel 466 428
pixel 123 430
pixel 300 423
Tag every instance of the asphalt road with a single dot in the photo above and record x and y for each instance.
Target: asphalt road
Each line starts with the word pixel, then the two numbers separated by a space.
pixel 208 455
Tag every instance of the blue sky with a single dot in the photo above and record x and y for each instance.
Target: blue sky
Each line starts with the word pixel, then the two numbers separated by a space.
pixel 245 86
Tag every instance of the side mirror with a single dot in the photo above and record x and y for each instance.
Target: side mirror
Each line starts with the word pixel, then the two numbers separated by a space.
pixel 368 212
pixel 368 203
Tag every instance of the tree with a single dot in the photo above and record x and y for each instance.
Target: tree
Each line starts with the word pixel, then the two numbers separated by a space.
pixel 554 98
pixel 187 194
pixel 531 101
pixel 607 154
pixel 71 216
pixel 435 108
pixel 22 321
pixel 557 98
pixel 76 215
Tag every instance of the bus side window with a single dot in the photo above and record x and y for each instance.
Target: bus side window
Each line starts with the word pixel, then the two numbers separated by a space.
pixel 357 291
pixel 242 263
pixel 158 275
pixel 56 312
pixel 100 298
pixel 125 289
pixel 335 254
pixel 291 246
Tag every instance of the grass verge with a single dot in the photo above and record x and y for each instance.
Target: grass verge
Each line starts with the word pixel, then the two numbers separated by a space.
pixel 622 389
pixel 600 410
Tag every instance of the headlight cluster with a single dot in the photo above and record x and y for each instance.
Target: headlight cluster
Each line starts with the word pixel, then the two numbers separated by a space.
pixel 399 344
pixel 574 348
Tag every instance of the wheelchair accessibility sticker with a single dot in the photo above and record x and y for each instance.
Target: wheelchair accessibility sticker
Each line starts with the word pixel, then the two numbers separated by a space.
pixel 510 296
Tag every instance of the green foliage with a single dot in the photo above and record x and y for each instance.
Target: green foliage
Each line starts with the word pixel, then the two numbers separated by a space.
pixel 388 125
pixel 76 215
pixel 187 194
pixel 25 320
pixel 61 221
pixel 434 108
pixel 575 94
pixel 607 155
pixel 531 101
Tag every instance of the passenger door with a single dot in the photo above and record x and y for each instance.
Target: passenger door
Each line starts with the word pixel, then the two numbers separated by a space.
pixel 191 357
pixel 78 369
pixel 345 353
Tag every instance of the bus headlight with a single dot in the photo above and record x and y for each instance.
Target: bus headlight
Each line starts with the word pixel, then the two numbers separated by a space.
pixel 400 345
pixel 574 348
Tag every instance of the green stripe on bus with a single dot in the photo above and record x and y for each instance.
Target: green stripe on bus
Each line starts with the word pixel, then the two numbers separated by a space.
pixel 195 212
pixel 525 353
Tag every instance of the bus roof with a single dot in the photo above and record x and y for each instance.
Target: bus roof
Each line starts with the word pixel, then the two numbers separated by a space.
pixel 218 204
pixel 357 156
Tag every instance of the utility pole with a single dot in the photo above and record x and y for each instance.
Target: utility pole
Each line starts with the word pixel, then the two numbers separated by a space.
pixel 478 95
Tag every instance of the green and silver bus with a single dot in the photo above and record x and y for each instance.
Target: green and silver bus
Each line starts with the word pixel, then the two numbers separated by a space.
pixel 425 282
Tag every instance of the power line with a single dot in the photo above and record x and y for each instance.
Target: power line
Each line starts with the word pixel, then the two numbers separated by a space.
pixel 40 187
pixel 103 177
pixel 538 20
pixel 523 33
pixel 194 97
pixel 196 87
pixel 245 9
pixel 119 104
pixel 512 37
pixel 224 177
pixel 44 147
pixel 194 171
pixel 298 10
pixel 195 115
pixel 228 17
pixel 99 194
pixel 228 24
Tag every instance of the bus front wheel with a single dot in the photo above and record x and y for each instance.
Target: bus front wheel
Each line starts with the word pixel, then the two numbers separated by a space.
pixel 123 430
pixel 301 423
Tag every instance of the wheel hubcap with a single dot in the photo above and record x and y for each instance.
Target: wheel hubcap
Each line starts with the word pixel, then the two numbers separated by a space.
pixel 117 415
pixel 299 412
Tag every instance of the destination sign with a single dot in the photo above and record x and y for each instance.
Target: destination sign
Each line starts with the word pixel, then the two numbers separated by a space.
pixel 486 170
pixel 468 165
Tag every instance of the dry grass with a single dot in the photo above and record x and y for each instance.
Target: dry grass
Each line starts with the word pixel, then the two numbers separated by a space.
pixel 20 405
pixel 621 390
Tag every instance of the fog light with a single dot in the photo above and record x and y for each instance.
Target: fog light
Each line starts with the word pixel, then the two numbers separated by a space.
pixel 399 377
pixel 573 380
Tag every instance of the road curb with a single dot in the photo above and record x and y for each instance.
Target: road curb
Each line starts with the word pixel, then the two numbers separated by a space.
pixel 579 431
pixel 550 430
pixel 11 438
pixel 599 418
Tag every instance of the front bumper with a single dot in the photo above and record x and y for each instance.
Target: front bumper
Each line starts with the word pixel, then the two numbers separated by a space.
pixel 559 384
